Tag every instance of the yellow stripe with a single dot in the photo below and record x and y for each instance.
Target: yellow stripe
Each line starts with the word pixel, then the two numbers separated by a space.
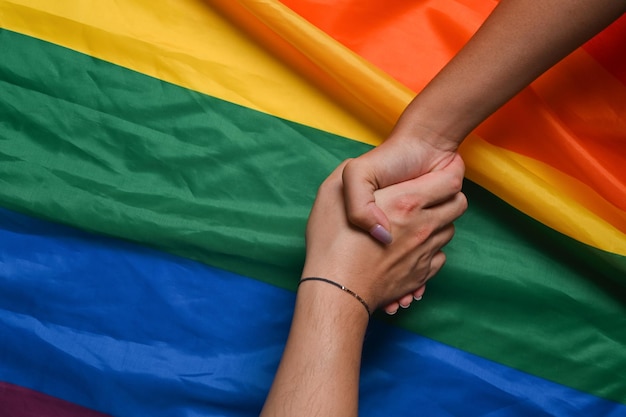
pixel 188 43
pixel 546 194
pixel 369 91
pixel 542 192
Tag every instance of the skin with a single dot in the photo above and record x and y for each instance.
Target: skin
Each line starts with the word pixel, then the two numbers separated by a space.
pixel 528 38
pixel 319 371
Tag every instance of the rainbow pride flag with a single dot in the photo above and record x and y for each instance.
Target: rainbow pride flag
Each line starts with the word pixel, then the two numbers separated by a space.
pixel 158 160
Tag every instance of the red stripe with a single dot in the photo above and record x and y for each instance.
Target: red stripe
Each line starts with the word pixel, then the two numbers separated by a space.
pixel 571 119
pixel 16 401
pixel 603 47
pixel 411 41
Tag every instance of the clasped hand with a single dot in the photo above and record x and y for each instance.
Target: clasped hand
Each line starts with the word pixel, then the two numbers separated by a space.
pixel 420 214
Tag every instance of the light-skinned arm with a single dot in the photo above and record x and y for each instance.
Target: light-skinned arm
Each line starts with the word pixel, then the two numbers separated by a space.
pixel 319 371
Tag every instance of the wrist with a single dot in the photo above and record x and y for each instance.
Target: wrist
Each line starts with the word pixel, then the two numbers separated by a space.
pixel 440 126
pixel 342 288
pixel 334 301
pixel 334 267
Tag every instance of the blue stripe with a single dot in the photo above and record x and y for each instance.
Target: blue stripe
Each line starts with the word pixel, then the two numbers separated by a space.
pixel 127 330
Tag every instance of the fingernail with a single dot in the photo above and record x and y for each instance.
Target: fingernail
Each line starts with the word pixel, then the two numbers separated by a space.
pixel 381 234
pixel 417 298
pixel 391 313
pixel 406 306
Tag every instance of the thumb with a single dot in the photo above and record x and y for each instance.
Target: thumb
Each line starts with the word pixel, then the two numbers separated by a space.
pixel 359 185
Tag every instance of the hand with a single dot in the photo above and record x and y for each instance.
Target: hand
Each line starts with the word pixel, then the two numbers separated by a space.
pixel 397 160
pixel 420 213
pixel 400 158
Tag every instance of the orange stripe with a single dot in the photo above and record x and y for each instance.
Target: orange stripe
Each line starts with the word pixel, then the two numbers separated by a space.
pixel 573 118
pixel 602 48
pixel 346 77
pixel 410 40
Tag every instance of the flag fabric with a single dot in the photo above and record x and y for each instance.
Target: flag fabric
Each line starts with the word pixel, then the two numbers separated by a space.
pixel 158 161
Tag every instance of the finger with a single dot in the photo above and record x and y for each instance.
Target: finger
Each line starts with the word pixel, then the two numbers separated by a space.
pixel 448 180
pixel 419 293
pixel 449 211
pixel 456 167
pixel 405 302
pixel 436 263
pixel 361 209
pixel 439 259
pixel 392 308
pixel 444 214
pixel 428 190
pixel 438 240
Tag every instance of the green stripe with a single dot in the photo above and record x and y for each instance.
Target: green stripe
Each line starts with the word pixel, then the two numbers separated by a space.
pixel 91 144
pixel 521 294
pixel 88 143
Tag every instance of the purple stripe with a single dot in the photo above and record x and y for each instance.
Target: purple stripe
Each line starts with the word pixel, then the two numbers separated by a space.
pixel 18 401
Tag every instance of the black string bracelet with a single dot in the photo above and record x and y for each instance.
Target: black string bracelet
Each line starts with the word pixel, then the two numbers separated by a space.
pixel 341 287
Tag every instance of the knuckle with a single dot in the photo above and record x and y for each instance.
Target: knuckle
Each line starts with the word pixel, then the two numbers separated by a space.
pixel 456 183
pixel 421 235
pixel 351 169
pixel 448 234
pixel 404 205
pixel 463 203
pixel 441 260
pixel 357 216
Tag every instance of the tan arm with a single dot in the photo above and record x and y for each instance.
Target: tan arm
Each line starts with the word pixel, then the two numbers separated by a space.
pixel 520 40
pixel 319 371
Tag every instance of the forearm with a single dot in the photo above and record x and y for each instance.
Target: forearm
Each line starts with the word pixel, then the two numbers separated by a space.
pixel 517 43
pixel 319 371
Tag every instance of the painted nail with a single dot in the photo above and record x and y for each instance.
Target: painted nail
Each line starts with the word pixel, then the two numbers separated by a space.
pixel 417 298
pixel 381 234
pixel 406 306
